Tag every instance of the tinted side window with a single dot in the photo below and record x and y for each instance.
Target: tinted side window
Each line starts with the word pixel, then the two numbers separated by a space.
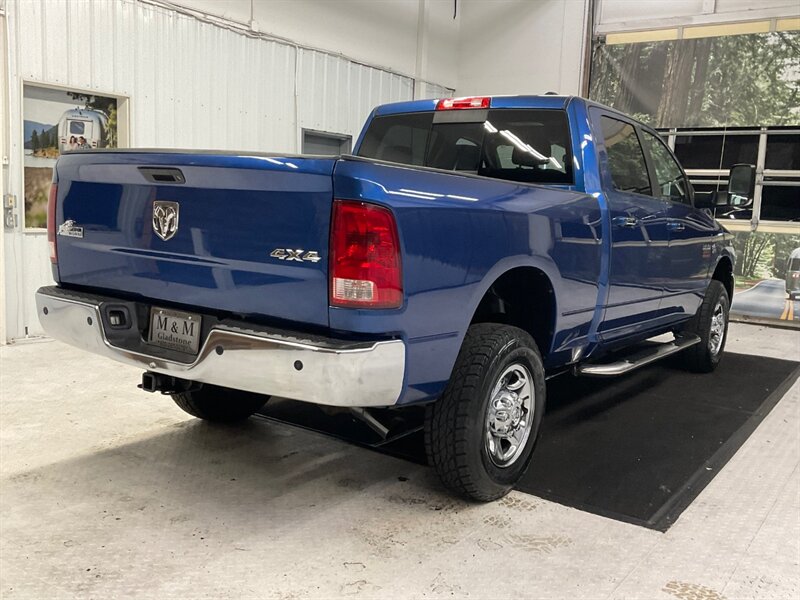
pixel 625 157
pixel 527 145
pixel 455 147
pixel 672 185
pixel 398 138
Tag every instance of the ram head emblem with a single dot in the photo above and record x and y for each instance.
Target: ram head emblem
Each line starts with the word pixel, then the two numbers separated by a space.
pixel 165 219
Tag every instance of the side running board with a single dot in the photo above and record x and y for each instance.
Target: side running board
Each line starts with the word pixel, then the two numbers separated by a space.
pixel 640 358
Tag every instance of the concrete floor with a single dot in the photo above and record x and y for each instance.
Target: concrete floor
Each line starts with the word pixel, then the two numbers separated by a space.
pixel 106 492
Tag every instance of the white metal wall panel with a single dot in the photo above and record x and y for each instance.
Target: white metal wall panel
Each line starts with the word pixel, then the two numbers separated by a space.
pixel 620 11
pixel 191 84
pixel 432 90
pixel 791 7
pixel 624 15
pixel 323 77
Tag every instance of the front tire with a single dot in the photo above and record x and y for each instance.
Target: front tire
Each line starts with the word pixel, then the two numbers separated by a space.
pixel 710 324
pixel 480 435
pixel 219 404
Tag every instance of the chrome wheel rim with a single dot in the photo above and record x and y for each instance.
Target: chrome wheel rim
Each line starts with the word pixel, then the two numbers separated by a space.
pixel 509 415
pixel 717 332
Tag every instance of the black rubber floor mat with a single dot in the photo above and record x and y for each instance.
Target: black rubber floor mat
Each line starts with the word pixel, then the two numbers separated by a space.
pixel 641 448
pixel 638 448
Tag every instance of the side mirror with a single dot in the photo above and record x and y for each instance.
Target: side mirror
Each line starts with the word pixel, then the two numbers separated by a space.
pixel 741 185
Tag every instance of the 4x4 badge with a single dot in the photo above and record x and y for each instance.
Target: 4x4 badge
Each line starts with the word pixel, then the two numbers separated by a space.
pixel 290 254
pixel 165 219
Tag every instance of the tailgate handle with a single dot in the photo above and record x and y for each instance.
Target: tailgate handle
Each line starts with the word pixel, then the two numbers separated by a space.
pixel 161 175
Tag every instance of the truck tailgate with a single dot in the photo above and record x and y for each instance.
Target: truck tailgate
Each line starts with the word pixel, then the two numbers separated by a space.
pixel 241 234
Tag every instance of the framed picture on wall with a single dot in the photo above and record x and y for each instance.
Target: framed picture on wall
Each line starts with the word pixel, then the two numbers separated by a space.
pixel 57 120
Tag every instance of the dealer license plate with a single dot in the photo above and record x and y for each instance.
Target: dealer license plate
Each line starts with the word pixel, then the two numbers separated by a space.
pixel 175 330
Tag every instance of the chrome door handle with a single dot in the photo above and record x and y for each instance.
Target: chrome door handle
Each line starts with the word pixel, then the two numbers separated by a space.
pixel 629 222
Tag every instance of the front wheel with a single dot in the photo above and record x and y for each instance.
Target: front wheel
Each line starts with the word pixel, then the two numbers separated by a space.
pixel 219 404
pixel 710 324
pixel 480 434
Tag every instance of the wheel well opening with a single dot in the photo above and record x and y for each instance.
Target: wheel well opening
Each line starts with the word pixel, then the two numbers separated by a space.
pixel 724 274
pixel 522 297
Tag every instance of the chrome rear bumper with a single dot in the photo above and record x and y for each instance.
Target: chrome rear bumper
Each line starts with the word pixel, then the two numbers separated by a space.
pixel 332 372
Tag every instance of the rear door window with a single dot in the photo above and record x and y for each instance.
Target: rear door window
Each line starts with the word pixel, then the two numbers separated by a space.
pixel 527 145
pixel 625 157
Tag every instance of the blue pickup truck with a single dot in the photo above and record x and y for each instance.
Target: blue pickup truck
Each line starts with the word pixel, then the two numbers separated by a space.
pixel 469 249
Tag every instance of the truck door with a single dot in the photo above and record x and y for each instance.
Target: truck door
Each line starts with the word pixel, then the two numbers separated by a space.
pixel 639 236
pixel 691 232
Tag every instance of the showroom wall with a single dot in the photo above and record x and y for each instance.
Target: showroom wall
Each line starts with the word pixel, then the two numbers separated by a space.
pixel 521 47
pixel 474 46
pixel 412 37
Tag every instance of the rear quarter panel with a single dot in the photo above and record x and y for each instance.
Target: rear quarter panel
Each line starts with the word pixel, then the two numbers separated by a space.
pixel 459 234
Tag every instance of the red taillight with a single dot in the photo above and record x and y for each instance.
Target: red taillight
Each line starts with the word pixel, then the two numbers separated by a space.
pixel 51 223
pixel 365 257
pixel 462 103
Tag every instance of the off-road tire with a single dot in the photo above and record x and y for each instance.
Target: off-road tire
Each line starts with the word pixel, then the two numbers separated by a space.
pixel 219 404
pixel 455 423
pixel 700 358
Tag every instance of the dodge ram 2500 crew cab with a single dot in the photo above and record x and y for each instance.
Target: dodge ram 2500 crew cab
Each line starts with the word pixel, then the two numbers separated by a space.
pixel 468 249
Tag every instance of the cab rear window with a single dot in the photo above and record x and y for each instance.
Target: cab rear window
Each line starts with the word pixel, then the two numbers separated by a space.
pixel 527 145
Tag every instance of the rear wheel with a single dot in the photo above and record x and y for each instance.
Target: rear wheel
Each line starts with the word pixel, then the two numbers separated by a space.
pixel 710 324
pixel 480 434
pixel 219 404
